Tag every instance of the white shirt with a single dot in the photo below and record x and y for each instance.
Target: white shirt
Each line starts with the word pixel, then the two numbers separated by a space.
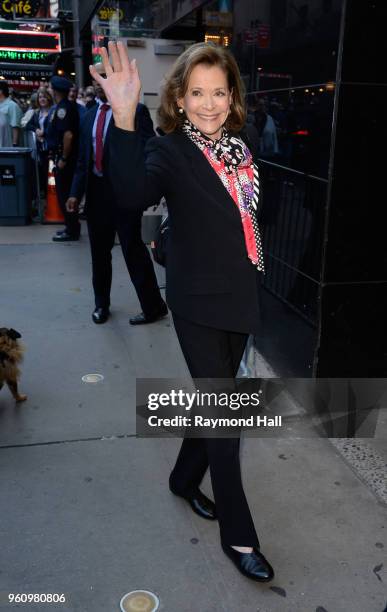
pixel 107 121
pixel 12 110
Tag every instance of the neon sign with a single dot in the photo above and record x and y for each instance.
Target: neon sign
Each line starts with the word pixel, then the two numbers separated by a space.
pixel 15 55
pixel 17 40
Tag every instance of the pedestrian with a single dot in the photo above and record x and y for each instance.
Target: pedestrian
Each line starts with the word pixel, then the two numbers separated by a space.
pixel 39 124
pixel 62 142
pixel 11 118
pixel 214 258
pixel 105 218
pixel 90 97
pixel 267 130
pixel 73 96
pixel 81 96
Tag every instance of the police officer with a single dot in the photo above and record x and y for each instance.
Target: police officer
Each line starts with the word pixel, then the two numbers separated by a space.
pixel 62 139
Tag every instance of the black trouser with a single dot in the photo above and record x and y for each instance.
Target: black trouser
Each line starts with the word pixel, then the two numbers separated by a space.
pixel 104 220
pixel 63 180
pixel 43 171
pixel 214 353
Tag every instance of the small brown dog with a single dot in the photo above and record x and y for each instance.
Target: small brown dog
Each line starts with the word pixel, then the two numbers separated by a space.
pixel 11 354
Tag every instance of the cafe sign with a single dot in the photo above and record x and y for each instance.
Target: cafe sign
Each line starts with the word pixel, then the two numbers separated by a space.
pixel 19 8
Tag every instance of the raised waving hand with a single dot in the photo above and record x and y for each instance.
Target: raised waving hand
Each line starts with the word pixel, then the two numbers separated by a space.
pixel 121 85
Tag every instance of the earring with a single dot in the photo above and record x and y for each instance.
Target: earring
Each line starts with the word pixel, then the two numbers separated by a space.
pixel 181 110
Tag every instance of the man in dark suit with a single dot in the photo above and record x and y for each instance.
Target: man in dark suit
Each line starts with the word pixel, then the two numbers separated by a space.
pixel 105 219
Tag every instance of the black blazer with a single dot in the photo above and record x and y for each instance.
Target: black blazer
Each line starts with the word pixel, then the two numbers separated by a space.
pixel 84 166
pixel 210 279
pixel 34 124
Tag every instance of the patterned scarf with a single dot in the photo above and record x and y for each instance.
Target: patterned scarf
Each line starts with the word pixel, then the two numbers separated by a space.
pixel 233 163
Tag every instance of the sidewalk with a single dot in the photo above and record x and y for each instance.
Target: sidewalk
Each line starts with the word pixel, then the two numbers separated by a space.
pixel 85 507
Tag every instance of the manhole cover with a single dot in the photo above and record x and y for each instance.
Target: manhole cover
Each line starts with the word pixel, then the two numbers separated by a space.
pixel 92 378
pixel 139 601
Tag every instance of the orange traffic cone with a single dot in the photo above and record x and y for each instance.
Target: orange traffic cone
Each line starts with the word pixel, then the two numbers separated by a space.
pixel 52 213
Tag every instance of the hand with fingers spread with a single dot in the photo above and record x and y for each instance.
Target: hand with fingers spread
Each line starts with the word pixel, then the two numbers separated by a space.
pixel 121 85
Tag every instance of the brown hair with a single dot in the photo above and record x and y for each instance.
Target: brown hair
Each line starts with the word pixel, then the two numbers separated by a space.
pixel 44 92
pixel 176 85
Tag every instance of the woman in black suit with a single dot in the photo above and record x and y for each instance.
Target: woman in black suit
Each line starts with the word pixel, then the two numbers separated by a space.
pixel 38 124
pixel 214 262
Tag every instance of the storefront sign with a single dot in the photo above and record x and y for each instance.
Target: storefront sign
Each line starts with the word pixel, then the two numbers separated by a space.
pixel 7 175
pixel 17 40
pixel 24 86
pixel 21 8
pixel 24 73
pixel 27 74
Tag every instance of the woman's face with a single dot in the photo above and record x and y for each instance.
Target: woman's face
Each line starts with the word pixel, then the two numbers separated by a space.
pixel 207 100
pixel 43 100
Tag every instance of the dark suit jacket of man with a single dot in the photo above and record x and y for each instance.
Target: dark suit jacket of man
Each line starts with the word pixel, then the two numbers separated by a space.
pixel 210 279
pixel 85 162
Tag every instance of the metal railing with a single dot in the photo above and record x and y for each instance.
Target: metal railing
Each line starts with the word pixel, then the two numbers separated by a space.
pixel 36 196
pixel 292 222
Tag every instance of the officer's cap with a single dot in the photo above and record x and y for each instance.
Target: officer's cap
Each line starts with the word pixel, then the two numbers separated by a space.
pixel 59 83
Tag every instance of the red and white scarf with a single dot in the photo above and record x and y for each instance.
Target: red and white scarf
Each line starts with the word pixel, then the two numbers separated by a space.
pixel 233 163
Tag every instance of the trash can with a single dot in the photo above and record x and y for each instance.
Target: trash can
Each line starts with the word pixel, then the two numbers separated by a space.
pixel 16 178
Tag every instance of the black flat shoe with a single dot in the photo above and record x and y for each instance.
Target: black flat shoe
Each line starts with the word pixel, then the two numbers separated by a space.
pixel 100 315
pixel 142 319
pixel 60 232
pixel 64 237
pixel 200 504
pixel 252 565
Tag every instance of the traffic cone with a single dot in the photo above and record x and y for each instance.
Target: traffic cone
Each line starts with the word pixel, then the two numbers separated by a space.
pixel 52 213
